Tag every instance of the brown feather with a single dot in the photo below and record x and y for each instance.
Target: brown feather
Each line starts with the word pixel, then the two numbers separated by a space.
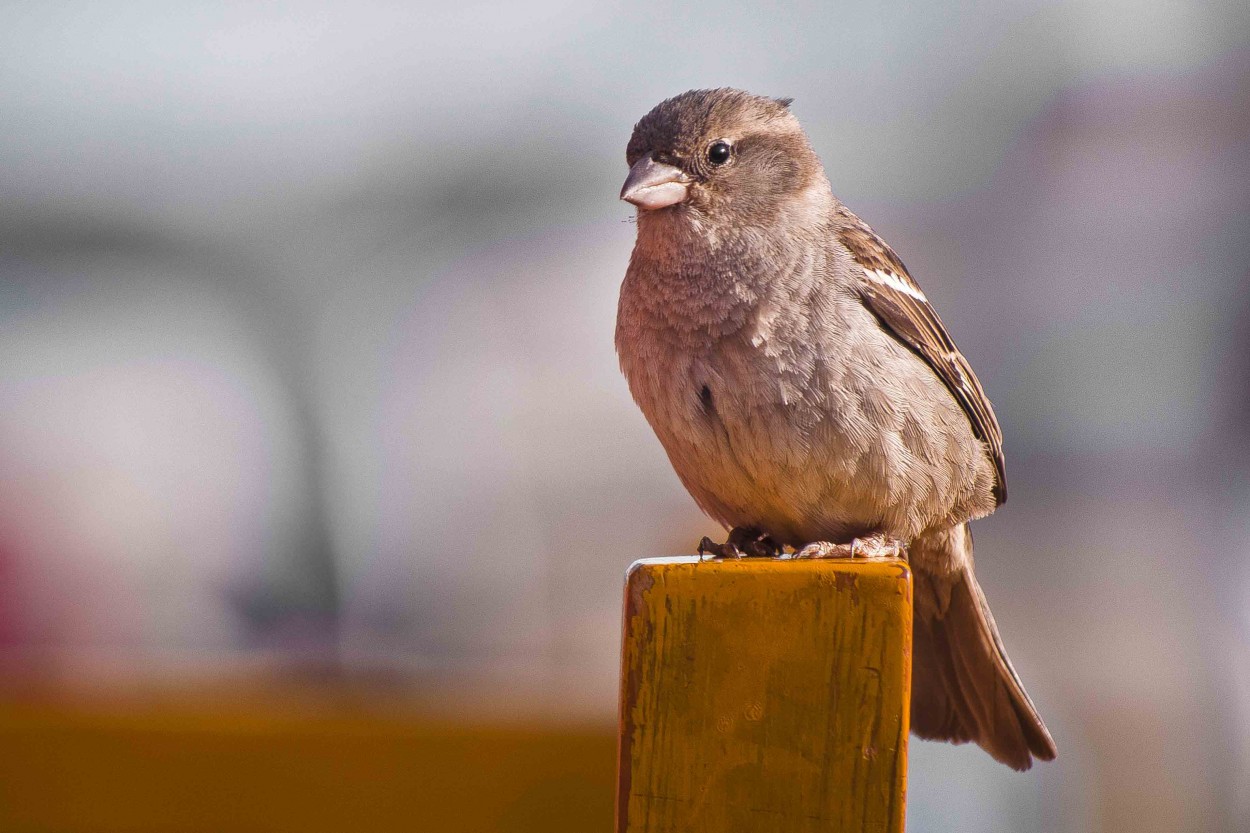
pixel 963 685
pixel 914 322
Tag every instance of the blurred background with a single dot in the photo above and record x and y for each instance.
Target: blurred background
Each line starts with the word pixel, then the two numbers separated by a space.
pixel 309 404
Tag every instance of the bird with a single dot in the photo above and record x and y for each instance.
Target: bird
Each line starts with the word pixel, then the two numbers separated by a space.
pixel 807 394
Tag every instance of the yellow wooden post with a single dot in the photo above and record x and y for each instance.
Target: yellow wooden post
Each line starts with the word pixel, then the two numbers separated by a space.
pixel 764 695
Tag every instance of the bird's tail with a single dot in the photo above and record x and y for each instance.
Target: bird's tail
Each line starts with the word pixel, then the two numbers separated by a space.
pixel 963 685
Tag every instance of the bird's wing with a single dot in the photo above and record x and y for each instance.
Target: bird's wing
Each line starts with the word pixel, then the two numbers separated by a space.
pixel 895 298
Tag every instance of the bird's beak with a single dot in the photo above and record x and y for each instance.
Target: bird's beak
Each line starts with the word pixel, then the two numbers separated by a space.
pixel 651 185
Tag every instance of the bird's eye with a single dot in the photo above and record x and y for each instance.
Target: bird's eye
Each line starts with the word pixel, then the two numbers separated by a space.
pixel 718 153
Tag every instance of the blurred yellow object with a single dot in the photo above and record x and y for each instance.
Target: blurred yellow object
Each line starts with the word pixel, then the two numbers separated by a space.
pixel 764 694
pixel 174 764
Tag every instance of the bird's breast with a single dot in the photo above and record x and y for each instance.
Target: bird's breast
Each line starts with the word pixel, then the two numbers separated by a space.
pixel 748 422
pixel 799 414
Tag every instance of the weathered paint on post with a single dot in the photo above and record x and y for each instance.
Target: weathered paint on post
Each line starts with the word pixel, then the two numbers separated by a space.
pixel 764 695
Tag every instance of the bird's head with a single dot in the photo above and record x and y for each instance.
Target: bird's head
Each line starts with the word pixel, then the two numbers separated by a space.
pixel 723 155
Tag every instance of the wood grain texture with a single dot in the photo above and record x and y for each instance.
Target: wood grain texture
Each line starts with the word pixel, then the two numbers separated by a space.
pixel 764 695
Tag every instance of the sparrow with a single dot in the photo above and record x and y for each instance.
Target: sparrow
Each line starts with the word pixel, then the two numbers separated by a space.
pixel 807 394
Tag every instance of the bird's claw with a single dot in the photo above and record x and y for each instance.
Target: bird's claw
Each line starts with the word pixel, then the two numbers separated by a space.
pixel 873 547
pixel 825 549
pixel 878 547
pixel 708 547
pixel 743 542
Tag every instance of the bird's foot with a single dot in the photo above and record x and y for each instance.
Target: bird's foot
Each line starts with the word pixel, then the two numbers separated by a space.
pixel 824 549
pixel 743 542
pixel 871 547
pixel 877 547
